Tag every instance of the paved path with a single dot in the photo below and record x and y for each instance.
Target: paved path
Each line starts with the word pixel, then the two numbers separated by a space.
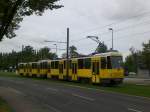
pixel 138 81
pixel 27 95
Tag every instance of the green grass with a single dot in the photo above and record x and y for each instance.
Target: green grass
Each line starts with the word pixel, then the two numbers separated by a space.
pixel 4 107
pixel 9 74
pixel 131 89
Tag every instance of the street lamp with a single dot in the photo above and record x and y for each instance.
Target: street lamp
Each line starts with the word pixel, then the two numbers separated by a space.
pixel 94 38
pixel 111 29
pixel 67 59
pixel 56 47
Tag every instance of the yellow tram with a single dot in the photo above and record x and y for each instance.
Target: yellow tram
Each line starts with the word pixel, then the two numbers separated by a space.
pixel 99 68
pixel 21 68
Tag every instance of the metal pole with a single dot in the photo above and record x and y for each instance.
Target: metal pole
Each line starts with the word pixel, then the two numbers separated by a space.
pixel 112 39
pixel 111 29
pixel 56 48
pixel 22 53
pixel 67 70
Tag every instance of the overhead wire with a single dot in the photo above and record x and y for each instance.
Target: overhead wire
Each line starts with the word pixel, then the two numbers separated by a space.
pixel 101 27
pixel 121 29
pixel 130 18
pixel 122 37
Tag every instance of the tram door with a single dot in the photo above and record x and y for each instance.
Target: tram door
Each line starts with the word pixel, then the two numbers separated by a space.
pixel 74 71
pixel 61 71
pixel 95 71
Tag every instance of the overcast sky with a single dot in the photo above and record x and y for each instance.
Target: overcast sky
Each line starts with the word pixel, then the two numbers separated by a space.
pixel 86 17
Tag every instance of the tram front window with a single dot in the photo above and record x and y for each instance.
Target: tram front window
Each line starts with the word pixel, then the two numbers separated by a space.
pixel 116 62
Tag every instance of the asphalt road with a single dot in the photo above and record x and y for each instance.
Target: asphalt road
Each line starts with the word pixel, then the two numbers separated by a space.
pixel 27 95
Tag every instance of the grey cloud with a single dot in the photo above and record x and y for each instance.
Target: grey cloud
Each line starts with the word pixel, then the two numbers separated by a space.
pixel 81 16
pixel 124 9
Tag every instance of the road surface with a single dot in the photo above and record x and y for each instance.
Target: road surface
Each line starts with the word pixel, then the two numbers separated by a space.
pixel 27 95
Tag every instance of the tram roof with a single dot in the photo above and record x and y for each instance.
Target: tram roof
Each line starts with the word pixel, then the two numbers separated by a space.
pixel 109 54
pixel 44 60
pixel 21 63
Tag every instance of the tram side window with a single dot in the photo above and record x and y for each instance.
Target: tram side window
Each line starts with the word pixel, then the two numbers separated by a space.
pixel 49 66
pixel 41 66
pixel 65 64
pixel 87 63
pixel 36 65
pixel 97 69
pixel 29 66
pixel 103 63
pixel 21 66
pixel 70 65
pixel 109 63
pixel 80 63
pixel 45 65
pixel 56 64
pixel 52 65
pixel 33 66
pixel 93 67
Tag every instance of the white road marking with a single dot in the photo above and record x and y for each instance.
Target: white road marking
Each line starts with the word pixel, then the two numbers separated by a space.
pixel 134 110
pixel 82 87
pixel 15 91
pixel 83 97
pixel 52 89
pixel 52 108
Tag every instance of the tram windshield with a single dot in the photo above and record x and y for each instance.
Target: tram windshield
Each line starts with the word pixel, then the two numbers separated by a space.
pixel 116 61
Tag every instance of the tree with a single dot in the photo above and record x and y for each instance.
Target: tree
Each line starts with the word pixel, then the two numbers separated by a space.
pixel 73 52
pixel 129 64
pixel 13 11
pixel 138 59
pixel 28 54
pixel 146 55
pixel 135 58
pixel 44 53
pixel 64 55
pixel 102 48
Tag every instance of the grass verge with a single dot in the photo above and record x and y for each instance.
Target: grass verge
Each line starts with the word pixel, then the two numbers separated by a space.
pixel 9 74
pixel 4 107
pixel 130 89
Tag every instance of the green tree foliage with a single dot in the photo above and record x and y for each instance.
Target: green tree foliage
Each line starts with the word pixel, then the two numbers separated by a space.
pixel 45 53
pixel 13 11
pixel 28 54
pixel 146 55
pixel 102 48
pixel 130 64
pixel 64 55
pixel 73 52
pixel 138 59
pixel 133 62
